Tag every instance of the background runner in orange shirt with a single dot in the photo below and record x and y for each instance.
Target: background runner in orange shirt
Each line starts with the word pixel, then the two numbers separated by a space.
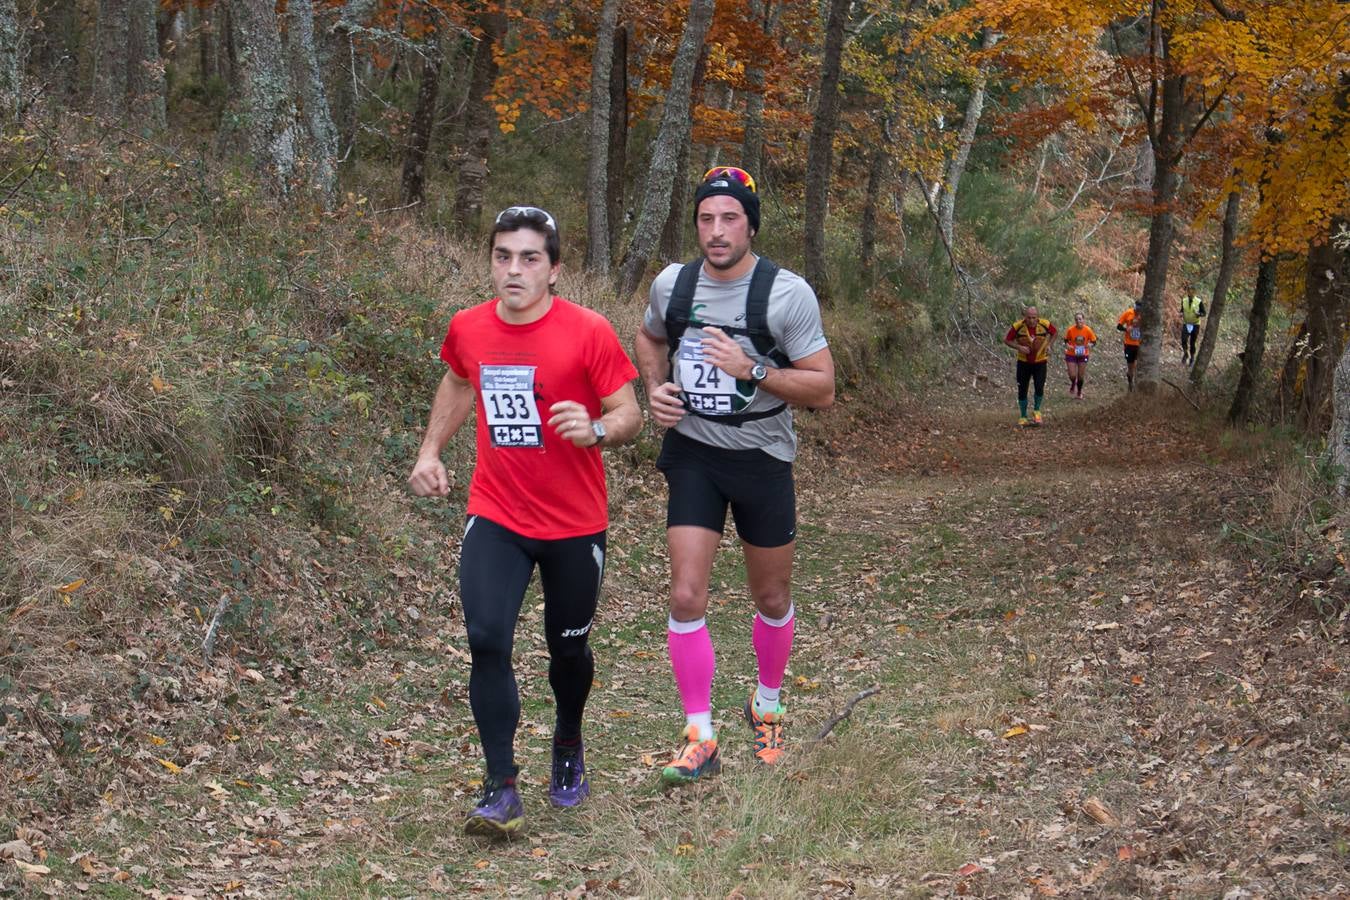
pixel 1129 322
pixel 1079 340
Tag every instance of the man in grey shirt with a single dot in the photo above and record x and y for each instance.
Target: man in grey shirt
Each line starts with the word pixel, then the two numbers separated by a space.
pixel 724 359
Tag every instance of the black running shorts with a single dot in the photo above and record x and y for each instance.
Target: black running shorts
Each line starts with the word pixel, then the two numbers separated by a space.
pixel 1131 352
pixel 705 480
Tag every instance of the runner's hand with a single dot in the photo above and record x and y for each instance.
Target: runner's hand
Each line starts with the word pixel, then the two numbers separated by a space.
pixel 428 478
pixel 573 423
pixel 666 405
pixel 721 350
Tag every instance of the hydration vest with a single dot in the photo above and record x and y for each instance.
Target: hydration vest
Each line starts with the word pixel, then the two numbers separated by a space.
pixel 680 308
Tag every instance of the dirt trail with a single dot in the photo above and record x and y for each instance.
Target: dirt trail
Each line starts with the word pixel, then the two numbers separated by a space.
pixel 1180 722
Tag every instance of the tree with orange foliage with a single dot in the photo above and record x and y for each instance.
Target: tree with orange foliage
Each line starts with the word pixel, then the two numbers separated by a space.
pixel 1178 63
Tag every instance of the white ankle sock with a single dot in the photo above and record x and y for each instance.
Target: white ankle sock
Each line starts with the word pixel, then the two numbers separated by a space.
pixel 766 700
pixel 703 722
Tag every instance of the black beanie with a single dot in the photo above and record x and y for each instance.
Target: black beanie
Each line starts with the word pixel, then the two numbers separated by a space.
pixel 725 184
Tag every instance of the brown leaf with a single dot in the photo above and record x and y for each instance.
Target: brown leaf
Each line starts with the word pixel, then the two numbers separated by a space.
pixel 1100 813
pixel 16 850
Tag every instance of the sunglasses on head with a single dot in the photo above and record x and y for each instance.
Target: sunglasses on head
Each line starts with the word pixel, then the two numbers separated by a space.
pixel 532 214
pixel 734 172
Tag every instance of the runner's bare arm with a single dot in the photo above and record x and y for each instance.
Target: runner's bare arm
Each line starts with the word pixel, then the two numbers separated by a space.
pixel 663 397
pixel 810 381
pixel 449 409
pixel 618 412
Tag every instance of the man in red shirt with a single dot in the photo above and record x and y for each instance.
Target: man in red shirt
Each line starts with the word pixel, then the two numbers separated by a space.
pixel 553 386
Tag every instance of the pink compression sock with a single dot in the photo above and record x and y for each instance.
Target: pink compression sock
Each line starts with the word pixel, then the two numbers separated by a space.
pixel 692 659
pixel 772 640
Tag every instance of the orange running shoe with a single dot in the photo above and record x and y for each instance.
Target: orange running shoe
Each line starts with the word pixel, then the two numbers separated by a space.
pixel 694 760
pixel 768 731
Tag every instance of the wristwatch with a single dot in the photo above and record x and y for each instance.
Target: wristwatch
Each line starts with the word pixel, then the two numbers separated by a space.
pixel 758 373
pixel 598 429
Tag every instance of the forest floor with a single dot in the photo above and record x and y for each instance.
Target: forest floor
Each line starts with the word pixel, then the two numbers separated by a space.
pixel 1091 684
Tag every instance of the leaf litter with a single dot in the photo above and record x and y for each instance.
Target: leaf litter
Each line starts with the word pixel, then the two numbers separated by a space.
pixel 1100 695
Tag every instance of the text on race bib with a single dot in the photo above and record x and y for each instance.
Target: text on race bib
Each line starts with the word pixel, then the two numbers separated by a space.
pixel 1134 332
pixel 508 404
pixel 707 389
pixel 1079 350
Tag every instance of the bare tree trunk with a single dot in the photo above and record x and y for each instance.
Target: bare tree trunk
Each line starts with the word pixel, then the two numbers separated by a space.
pixel 56 51
pixel 231 55
pixel 208 65
pixel 268 107
pixel 478 119
pixel 597 162
pixel 867 229
pixel 1228 261
pixel 672 235
pixel 964 142
pixel 145 73
pixel 1288 380
pixel 618 133
pixel 128 73
pixel 339 66
pixel 1327 294
pixel 11 64
pixel 1255 347
pixel 671 137
pixel 110 59
pixel 765 14
pixel 820 151
pixel 423 121
pixel 1166 153
pixel 314 102
pixel 1338 439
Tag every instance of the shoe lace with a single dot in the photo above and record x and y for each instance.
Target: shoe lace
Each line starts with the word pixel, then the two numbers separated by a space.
pixel 768 732
pixel 695 753
pixel 492 791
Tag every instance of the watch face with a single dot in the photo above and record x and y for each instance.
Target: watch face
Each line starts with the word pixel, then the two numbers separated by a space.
pixel 758 372
pixel 598 429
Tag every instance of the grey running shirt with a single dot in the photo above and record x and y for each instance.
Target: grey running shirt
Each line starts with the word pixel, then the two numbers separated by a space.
pixel 794 321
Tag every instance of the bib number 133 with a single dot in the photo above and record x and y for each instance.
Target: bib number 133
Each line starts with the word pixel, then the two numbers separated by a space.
pixel 509 407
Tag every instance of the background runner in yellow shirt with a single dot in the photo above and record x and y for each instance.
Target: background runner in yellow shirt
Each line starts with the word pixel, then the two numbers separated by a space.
pixel 1030 337
pixel 1192 311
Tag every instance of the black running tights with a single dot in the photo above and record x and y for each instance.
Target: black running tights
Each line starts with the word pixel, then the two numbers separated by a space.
pixel 1026 373
pixel 495 568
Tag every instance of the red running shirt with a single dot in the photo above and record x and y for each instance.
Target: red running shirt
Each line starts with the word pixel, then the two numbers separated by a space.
pixel 526 477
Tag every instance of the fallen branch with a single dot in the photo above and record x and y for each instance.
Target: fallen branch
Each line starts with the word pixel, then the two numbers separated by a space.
pixel 1182 393
pixel 844 713
pixel 16 187
pixel 209 642
pixel 388 209
pixel 154 237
